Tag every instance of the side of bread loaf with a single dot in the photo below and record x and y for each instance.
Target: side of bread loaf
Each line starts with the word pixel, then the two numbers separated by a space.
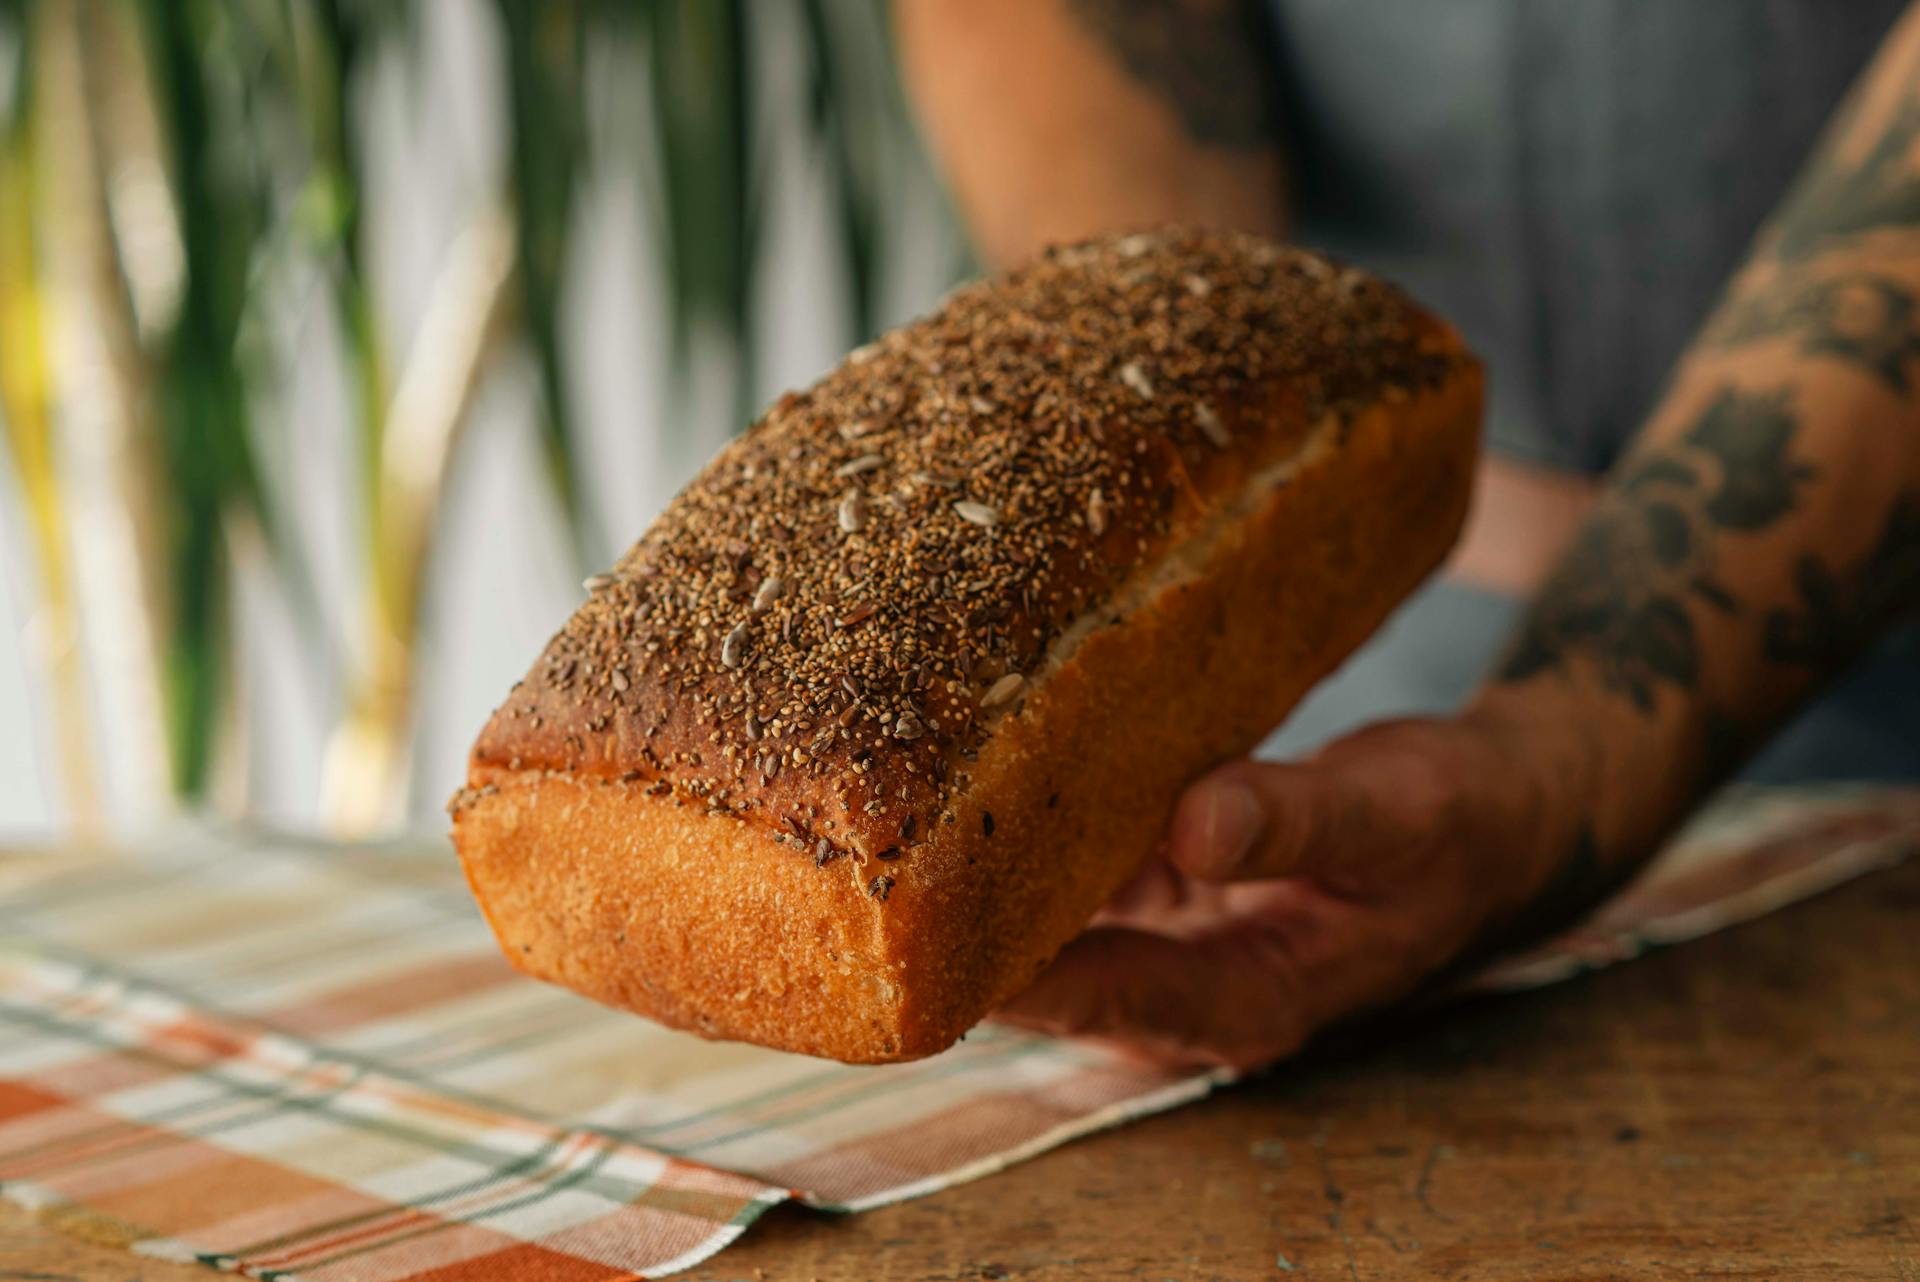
pixel 906 683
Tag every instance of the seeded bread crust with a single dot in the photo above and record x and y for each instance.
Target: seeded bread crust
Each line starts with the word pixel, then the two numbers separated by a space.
pixel 906 683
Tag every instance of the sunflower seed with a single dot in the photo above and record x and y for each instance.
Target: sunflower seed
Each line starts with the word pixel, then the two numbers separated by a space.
pixel 978 513
pixel 1135 245
pixel 853 513
pixel 1210 424
pixel 1135 377
pixel 770 590
pixel 879 887
pixel 862 611
pixel 908 727
pixel 865 463
pixel 598 581
pixel 620 681
pixel 929 478
pixel 1002 690
pixel 888 855
pixel 981 405
pixel 861 355
pixel 733 649
pixel 1097 512
pixel 1197 286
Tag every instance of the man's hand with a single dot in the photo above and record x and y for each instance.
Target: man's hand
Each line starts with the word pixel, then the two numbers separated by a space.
pixel 1290 895
pixel 1764 530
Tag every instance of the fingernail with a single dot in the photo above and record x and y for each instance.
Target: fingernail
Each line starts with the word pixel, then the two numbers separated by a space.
pixel 1232 820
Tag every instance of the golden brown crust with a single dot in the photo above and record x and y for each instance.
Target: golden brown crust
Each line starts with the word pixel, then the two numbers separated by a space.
pixel 940 791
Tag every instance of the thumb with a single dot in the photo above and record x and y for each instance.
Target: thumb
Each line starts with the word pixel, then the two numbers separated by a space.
pixel 1358 806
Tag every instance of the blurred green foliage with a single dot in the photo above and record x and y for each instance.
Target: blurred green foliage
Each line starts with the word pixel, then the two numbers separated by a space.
pixel 249 110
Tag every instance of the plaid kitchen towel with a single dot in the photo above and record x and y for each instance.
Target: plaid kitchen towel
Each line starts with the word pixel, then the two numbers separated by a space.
pixel 300 1061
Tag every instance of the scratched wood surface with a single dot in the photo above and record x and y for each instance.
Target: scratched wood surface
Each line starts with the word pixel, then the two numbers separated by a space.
pixel 1747 1106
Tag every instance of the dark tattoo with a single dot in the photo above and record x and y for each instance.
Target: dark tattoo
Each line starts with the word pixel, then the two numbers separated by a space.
pixel 1580 884
pixel 1747 435
pixel 1840 614
pixel 1726 741
pixel 1208 58
pixel 1620 595
pixel 1584 879
pixel 1836 200
pixel 1863 318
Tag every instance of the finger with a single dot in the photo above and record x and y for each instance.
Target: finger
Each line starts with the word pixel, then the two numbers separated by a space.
pixel 1156 887
pixel 1230 1000
pixel 1162 898
pixel 1255 820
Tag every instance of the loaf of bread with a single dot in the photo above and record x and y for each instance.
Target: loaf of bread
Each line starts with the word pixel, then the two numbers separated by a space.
pixel 907 682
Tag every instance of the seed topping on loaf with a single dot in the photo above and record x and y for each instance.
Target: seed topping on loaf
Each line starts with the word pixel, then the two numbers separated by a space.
pixel 821 630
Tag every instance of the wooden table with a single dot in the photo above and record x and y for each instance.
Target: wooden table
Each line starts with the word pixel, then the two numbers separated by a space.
pixel 1747 1106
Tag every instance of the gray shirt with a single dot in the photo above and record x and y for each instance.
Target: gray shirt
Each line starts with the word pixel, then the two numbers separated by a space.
pixel 1571 181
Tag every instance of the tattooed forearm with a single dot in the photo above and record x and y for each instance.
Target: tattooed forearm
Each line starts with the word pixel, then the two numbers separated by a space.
pixel 1620 598
pixel 1866 319
pixel 1839 614
pixel 1208 58
pixel 1582 879
pixel 1841 199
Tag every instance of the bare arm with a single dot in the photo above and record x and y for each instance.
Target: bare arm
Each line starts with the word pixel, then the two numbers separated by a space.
pixel 1062 119
pixel 1764 531
pixel 1766 527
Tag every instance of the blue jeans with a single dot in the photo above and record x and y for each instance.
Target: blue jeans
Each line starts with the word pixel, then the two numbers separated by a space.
pixel 1430 656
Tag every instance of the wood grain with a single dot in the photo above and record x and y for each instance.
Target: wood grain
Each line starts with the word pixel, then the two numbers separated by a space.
pixel 1745 1107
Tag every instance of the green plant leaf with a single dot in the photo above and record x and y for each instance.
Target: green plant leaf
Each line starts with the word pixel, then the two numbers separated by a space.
pixel 206 450
pixel 547 150
pixel 701 84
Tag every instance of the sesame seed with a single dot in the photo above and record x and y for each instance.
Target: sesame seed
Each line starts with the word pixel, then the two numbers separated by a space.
pixel 1210 425
pixel 977 513
pixel 1135 377
pixel 853 513
pixel 733 650
pixel 1002 690
pixel 769 591
pixel 1097 512
pixel 865 463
